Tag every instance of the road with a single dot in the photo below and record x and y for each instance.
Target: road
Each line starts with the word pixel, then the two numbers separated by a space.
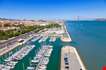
pixel 14 40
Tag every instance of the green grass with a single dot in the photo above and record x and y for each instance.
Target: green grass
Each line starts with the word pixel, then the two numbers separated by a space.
pixel 4 35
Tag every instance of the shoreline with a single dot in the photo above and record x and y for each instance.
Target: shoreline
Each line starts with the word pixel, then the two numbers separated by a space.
pixel 63 38
pixel 74 50
pixel 79 59
pixel 67 32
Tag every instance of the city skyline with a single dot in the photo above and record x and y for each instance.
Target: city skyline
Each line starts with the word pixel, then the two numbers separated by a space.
pixel 52 9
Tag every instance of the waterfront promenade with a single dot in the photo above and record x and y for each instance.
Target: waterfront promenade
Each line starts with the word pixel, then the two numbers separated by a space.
pixel 65 37
pixel 70 60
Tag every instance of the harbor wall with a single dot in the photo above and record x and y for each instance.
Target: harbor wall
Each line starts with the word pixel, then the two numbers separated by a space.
pixel 79 59
pixel 75 50
pixel 67 32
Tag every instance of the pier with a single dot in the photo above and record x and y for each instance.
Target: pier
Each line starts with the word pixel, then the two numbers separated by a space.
pixel 65 37
pixel 70 59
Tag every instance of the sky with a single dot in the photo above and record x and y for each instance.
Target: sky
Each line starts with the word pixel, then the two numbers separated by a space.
pixel 52 9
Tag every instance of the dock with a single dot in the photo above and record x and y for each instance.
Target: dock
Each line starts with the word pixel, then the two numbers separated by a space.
pixel 70 59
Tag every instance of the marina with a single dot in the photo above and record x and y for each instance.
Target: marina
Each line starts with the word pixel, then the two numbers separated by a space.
pixel 41 52
pixel 41 59
pixel 11 61
pixel 35 39
pixel 44 38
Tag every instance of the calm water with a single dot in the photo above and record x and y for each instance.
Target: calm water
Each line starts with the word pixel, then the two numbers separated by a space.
pixel 89 37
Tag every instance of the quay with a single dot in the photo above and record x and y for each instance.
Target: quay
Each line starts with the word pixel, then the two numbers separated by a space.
pixel 65 37
pixel 70 59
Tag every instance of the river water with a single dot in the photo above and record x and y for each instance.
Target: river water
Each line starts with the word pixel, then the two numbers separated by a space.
pixel 89 37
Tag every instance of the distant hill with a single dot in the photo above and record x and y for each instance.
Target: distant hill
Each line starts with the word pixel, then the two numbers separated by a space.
pixel 101 19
